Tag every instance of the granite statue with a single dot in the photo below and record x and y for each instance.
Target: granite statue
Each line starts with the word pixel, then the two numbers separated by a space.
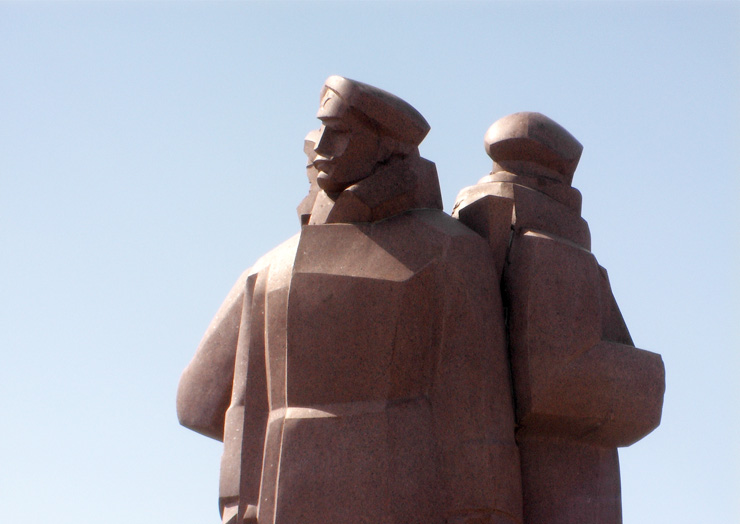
pixel 393 364
pixel 581 387
pixel 359 372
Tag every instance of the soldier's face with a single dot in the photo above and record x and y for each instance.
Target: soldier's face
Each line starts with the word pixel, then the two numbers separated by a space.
pixel 347 152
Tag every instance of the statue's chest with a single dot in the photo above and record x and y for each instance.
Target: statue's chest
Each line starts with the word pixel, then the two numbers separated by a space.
pixel 346 324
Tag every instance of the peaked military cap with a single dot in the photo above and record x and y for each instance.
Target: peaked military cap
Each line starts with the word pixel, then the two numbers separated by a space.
pixel 394 117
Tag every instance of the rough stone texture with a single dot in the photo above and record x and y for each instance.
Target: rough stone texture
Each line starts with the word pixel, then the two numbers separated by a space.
pixel 581 387
pixel 359 371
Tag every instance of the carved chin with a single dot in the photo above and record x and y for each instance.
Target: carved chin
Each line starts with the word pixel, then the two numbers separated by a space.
pixel 331 185
pixel 325 182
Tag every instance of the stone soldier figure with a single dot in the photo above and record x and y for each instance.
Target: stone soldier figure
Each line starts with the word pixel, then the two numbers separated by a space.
pixel 582 389
pixel 358 373
pixel 306 205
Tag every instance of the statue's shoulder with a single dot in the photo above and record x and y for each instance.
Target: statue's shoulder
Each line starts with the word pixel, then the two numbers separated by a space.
pixel 432 234
pixel 438 226
pixel 285 250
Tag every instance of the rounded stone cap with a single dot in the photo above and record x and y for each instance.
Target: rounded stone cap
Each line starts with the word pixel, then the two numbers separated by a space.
pixel 533 137
pixel 395 117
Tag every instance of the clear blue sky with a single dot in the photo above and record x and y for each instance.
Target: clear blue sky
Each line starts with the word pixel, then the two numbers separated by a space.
pixel 150 152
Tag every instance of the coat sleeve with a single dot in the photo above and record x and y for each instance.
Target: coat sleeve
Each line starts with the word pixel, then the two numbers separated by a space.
pixel 576 371
pixel 204 392
pixel 472 394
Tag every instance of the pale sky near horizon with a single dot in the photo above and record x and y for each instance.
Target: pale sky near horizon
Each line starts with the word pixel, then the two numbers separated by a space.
pixel 152 151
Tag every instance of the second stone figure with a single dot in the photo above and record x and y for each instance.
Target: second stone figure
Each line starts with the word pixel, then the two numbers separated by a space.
pixel 581 387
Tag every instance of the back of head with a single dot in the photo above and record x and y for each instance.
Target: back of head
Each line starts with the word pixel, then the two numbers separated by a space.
pixel 534 139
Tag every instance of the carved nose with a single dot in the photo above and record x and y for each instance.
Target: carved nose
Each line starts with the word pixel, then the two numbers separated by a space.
pixel 324 142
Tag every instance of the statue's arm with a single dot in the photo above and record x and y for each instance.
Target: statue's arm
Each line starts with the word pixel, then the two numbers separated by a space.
pixel 204 392
pixel 575 369
pixel 472 398
pixel 614 327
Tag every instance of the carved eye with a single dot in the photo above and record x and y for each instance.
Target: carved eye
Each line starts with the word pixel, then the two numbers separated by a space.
pixel 326 99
